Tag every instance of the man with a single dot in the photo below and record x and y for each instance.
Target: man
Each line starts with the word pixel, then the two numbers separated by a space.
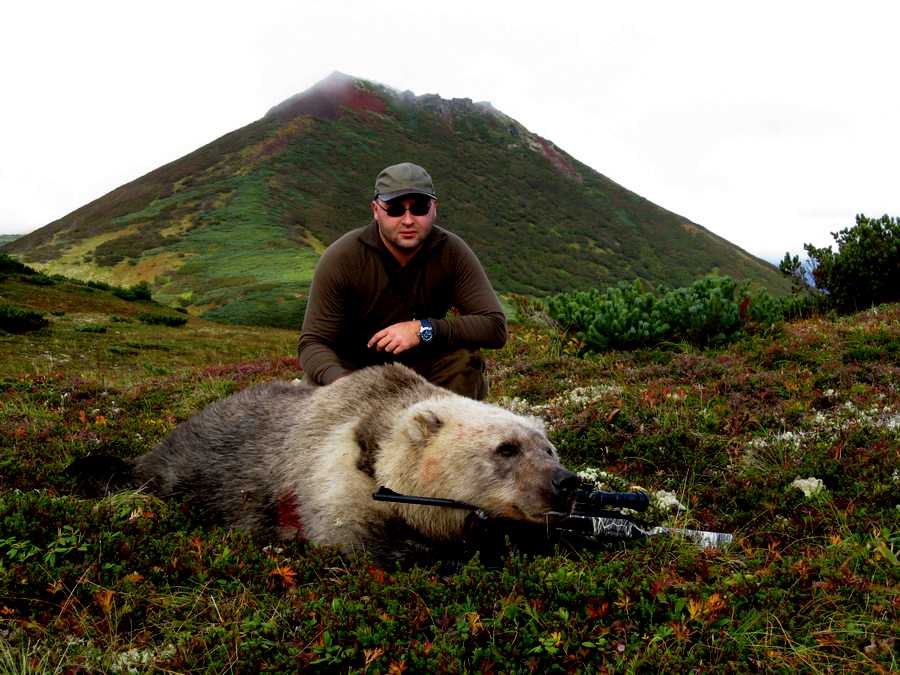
pixel 381 292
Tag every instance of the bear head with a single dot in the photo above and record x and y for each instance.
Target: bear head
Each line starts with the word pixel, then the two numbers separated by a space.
pixel 455 448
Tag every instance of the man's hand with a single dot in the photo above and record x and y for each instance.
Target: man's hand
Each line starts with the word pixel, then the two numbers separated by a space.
pixel 396 338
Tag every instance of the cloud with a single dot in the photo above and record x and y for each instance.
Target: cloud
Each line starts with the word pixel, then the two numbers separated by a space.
pixel 771 124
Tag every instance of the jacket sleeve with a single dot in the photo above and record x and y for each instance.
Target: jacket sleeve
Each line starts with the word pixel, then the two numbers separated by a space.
pixel 481 321
pixel 323 322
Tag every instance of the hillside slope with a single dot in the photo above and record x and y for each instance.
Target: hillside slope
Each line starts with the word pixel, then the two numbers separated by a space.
pixel 233 230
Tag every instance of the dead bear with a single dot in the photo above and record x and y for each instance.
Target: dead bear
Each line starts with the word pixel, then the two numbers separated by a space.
pixel 303 461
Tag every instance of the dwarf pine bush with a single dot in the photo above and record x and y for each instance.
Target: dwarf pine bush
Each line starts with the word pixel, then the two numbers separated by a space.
pixel 9 265
pixel 162 320
pixel 712 310
pixel 140 291
pixel 705 312
pixel 19 320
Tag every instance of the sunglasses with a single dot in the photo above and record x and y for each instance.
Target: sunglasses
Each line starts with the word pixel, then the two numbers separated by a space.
pixel 420 206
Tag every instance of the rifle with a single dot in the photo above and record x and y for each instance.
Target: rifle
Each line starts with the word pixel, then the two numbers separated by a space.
pixel 594 521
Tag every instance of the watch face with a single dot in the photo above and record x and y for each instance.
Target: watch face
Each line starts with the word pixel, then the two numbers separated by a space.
pixel 426 332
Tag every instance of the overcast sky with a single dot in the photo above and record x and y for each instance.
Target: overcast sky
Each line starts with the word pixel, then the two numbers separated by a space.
pixel 770 123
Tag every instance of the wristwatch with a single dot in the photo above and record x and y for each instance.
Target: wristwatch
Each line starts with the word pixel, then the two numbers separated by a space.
pixel 426 330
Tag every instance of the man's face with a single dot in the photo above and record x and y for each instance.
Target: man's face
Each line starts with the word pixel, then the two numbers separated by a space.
pixel 404 234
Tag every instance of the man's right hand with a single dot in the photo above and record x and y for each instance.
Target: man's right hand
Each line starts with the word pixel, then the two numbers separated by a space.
pixel 396 338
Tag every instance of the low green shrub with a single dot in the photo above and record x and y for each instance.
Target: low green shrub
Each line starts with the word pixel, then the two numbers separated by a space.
pixel 9 265
pixel 39 279
pixel 91 328
pixel 713 310
pixel 625 319
pixel 707 312
pixel 162 319
pixel 140 291
pixel 19 320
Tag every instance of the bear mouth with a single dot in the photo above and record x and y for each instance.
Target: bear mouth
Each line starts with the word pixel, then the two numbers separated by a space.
pixel 553 516
pixel 514 512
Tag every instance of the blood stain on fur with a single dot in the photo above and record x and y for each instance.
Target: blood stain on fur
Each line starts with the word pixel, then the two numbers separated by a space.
pixel 287 513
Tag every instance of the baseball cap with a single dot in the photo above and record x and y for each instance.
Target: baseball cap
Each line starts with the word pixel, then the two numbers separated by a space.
pixel 403 179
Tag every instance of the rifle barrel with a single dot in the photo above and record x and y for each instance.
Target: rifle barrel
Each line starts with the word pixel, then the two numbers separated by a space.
pixel 384 494
pixel 701 538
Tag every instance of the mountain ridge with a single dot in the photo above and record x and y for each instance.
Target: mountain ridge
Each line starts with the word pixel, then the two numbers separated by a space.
pixel 232 231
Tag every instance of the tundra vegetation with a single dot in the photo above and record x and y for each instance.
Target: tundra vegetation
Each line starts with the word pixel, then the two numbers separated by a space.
pixel 131 583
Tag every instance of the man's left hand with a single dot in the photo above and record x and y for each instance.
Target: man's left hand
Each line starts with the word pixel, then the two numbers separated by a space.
pixel 396 338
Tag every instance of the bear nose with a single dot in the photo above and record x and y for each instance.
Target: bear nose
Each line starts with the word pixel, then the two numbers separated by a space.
pixel 564 482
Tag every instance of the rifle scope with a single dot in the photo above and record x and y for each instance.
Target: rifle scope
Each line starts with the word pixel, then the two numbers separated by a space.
pixel 636 501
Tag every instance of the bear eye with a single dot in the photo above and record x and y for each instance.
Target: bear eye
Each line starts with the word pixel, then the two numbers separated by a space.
pixel 507 450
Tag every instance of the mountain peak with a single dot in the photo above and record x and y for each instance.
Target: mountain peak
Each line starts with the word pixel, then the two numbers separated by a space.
pixel 327 96
pixel 339 91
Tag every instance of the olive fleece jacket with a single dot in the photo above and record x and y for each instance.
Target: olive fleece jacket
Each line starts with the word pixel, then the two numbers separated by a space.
pixel 359 288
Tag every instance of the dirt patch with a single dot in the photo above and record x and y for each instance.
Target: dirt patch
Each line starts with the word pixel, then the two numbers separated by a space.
pixel 329 99
pixel 280 139
pixel 557 159
pixel 147 269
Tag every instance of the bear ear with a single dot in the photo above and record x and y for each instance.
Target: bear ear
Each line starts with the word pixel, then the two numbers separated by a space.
pixel 538 423
pixel 425 424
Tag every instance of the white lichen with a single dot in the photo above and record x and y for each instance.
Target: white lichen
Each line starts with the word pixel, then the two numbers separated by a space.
pixel 139 660
pixel 667 501
pixel 822 427
pixel 556 410
pixel 593 475
pixel 517 405
pixel 604 480
pixel 810 487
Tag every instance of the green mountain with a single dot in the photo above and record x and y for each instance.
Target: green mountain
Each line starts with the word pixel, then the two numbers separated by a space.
pixel 232 231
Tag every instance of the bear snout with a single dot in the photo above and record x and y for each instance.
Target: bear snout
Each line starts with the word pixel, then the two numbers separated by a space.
pixel 565 483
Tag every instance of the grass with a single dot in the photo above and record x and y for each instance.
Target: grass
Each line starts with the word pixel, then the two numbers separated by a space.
pixel 96 336
pixel 131 582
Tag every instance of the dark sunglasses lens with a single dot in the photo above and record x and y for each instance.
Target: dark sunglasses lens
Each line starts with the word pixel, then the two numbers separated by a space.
pixel 419 207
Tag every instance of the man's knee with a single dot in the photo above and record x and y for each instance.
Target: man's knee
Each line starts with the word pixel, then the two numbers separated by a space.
pixel 308 381
pixel 461 371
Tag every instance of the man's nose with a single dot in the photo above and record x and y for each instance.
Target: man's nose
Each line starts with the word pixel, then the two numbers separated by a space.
pixel 407 218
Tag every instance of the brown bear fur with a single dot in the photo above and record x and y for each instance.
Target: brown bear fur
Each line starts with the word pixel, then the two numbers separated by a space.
pixel 305 461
